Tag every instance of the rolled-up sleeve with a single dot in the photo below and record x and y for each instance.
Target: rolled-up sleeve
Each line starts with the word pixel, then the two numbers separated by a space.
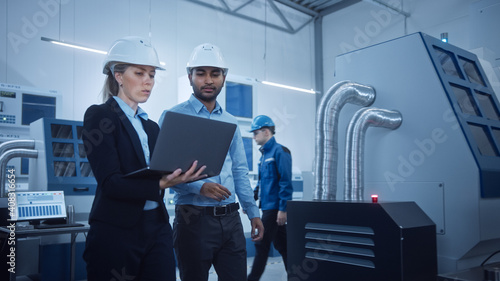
pixel 241 180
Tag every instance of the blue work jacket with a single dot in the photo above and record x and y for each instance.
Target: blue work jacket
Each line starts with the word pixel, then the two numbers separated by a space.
pixel 275 176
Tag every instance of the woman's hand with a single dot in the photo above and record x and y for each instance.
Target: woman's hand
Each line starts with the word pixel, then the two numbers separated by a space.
pixel 176 178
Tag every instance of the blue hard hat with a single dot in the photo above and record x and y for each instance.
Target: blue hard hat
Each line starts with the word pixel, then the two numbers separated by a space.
pixel 260 122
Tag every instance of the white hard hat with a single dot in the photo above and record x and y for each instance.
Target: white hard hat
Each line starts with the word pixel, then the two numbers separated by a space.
pixel 206 55
pixel 133 50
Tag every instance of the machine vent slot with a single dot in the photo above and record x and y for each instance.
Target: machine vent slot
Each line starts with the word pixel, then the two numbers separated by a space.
pixel 339 248
pixel 346 244
pixel 340 259
pixel 340 228
pixel 327 238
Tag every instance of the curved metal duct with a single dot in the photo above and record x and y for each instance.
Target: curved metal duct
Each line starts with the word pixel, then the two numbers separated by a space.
pixel 4 146
pixel 5 158
pixel 355 141
pixel 327 133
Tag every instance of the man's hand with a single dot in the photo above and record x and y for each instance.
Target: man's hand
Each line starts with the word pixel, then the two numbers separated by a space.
pixel 257 229
pixel 281 220
pixel 215 191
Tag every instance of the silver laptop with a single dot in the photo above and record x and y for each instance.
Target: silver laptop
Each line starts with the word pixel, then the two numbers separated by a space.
pixel 184 139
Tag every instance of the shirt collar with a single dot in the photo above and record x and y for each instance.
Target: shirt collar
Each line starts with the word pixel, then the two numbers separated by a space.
pixel 198 105
pixel 129 111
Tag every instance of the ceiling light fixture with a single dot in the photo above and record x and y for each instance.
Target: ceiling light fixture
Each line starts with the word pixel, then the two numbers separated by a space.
pixel 288 87
pixel 72 45
pixel 76 46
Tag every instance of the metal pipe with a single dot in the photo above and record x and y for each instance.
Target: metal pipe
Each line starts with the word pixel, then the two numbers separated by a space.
pixel 4 146
pixel 6 157
pixel 327 133
pixel 355 140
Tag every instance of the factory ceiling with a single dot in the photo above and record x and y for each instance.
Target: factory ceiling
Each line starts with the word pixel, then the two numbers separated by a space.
pixel 285 15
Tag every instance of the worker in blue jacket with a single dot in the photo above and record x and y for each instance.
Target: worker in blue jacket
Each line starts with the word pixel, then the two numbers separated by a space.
pixel 274 189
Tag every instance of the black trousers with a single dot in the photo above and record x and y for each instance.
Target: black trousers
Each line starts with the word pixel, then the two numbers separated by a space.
pixel 273 233
pixel 202 240
pixel 144 252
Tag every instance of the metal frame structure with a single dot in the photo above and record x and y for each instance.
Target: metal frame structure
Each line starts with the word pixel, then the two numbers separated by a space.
pixel 310 10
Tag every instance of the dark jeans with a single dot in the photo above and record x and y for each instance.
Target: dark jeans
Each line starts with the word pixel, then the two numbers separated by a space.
pixel 140 253
pixel 202 240
pixel 272 234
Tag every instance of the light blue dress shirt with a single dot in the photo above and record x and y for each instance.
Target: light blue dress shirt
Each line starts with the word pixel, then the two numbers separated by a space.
pixel 234 174
pixel 143 137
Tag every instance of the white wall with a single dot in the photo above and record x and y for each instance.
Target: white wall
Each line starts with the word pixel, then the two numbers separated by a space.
pixel 470 24
pixel 176 28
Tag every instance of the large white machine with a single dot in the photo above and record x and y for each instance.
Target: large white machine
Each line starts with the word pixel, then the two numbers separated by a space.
pixel 47 155
pixel 19 106
pixel 444 156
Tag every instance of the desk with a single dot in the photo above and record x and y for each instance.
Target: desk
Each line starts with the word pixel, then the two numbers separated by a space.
pixel 74 231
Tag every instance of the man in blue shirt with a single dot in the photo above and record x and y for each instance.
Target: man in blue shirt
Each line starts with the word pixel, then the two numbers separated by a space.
pixel 275 185
pixel 207 226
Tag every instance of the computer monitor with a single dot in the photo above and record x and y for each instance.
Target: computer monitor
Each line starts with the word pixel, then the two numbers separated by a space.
pixel 39 205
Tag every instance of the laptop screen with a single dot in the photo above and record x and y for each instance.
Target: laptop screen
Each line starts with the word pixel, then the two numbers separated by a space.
pixel 185 138
pixel 38 205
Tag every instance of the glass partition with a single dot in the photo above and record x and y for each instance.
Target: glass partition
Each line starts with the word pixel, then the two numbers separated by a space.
pixel 465 100
pixel 448 62
pixel 85 169
pixel 63 149
pixel 471 71
pixel 60 131
pixel 64 169
pixel 487 106
pixel 483 141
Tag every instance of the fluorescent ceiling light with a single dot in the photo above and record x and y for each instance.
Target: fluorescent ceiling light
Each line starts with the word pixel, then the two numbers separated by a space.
pixel 288 87
pixel 72 45
pixel 76 46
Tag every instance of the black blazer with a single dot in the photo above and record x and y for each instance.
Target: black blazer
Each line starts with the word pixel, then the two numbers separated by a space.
pixel 113 150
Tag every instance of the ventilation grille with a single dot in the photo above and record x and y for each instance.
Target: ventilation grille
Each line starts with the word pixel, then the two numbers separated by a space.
pixel 344 244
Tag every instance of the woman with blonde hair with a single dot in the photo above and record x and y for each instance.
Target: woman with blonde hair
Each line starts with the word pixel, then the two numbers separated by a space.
pixel 130 237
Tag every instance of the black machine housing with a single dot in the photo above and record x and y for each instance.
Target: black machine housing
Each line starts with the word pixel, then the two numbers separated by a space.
pixel 337 240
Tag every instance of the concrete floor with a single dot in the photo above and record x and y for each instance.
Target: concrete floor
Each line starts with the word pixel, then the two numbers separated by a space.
pixel 275 270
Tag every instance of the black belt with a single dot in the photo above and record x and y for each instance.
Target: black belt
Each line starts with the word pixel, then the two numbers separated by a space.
pixel 217 211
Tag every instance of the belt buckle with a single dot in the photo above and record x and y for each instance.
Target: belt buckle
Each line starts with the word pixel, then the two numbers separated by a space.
pixel 219 215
